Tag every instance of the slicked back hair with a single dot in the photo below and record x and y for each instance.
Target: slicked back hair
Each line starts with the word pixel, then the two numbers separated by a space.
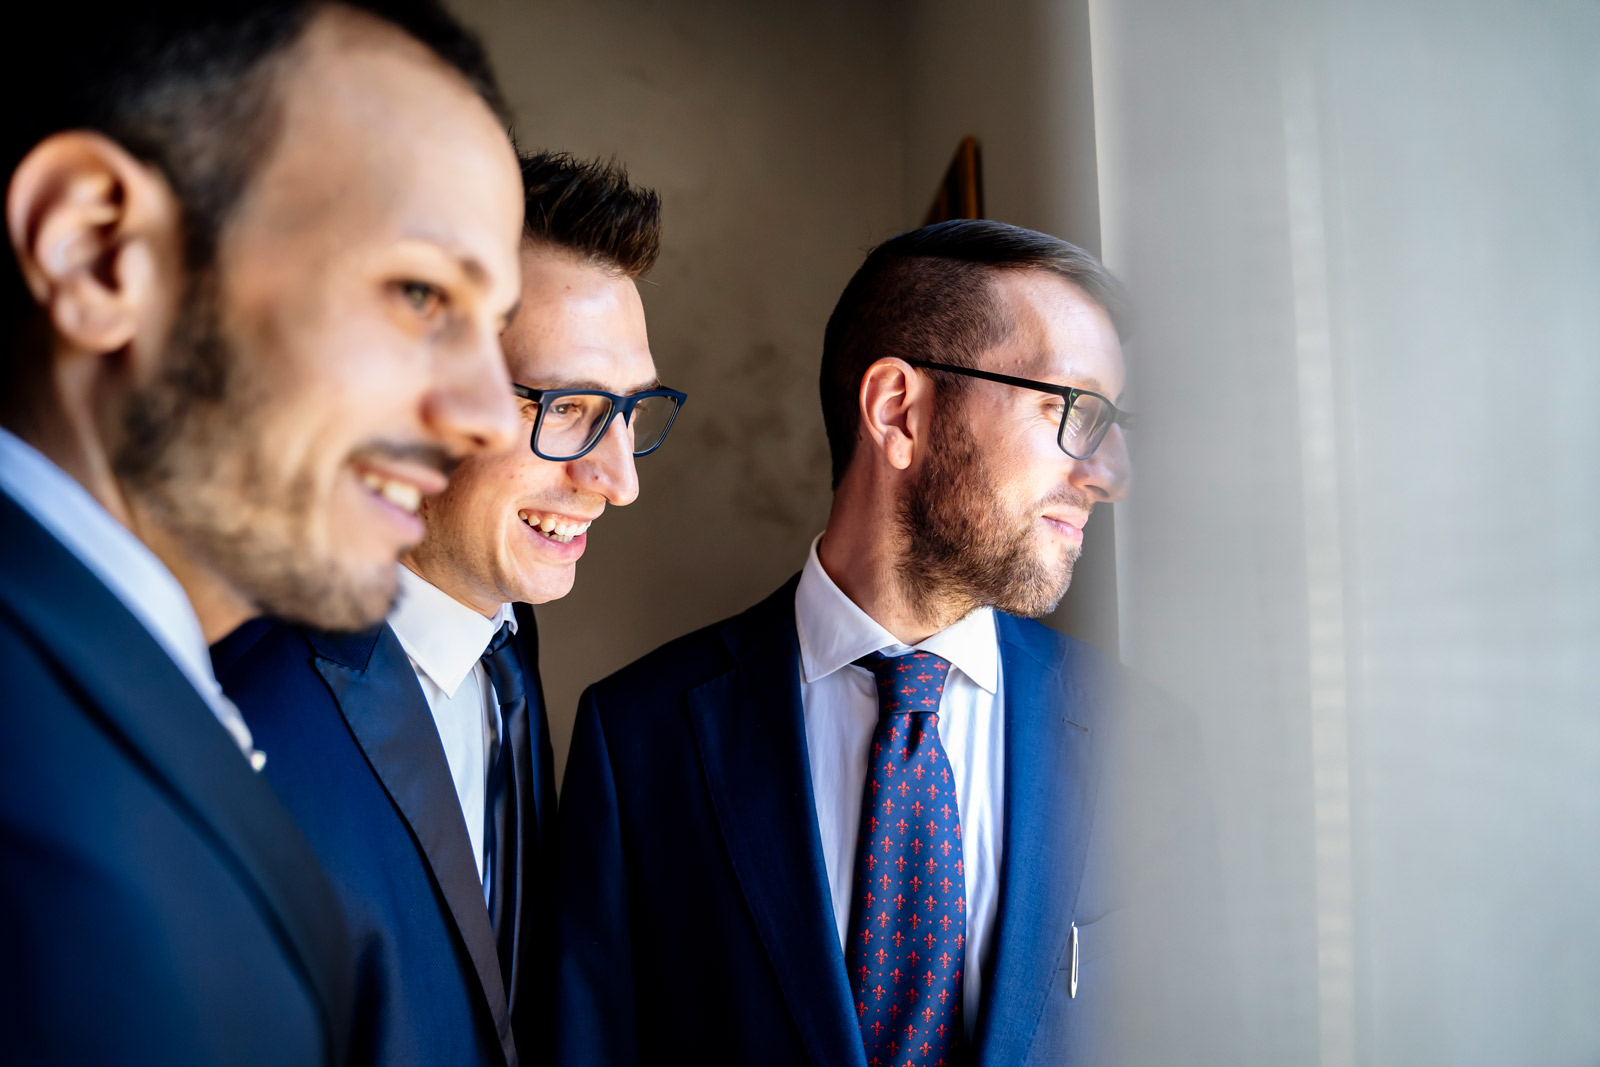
pixel 185 86
pixel 590 208
pixel 929 294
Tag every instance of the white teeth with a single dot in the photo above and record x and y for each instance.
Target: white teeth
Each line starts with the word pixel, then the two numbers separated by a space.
pixel 402 495
pixel 559 530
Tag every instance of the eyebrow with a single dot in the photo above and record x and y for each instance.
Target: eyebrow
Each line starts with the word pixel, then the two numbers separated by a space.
pixel 1081 381
pixel 557 384
pixel 469 265
pixel 510 316
pixel 1090 384
pixel 478 275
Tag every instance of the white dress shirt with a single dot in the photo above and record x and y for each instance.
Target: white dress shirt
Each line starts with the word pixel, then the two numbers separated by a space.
pixel 840 703
pixel 124 565
pixel 444 640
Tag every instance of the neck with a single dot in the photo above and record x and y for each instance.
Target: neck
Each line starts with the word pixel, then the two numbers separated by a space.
pixel 862 551
pixel 68 434
pixel 437 572
pixel 218 605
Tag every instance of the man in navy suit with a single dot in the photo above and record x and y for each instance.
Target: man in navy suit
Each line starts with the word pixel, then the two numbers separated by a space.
pixel 221 394
pixel 416 755
pixel 862 822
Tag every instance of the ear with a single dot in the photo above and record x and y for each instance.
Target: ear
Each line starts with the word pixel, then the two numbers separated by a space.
pixel 98 237
pixel 896 404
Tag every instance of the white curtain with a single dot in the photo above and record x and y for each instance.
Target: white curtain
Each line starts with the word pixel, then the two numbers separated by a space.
pixel 1364 544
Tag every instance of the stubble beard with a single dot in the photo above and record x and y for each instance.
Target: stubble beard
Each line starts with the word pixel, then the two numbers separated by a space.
pixel 966 547
pixel 191 457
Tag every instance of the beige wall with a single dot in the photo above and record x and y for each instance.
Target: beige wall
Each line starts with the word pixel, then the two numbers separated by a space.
pixel 773 133
pixel 785 140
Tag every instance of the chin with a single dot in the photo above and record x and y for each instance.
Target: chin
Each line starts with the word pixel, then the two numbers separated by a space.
pixel 548 586
pixel 333 596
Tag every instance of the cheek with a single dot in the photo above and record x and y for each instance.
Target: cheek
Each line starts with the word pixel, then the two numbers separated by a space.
pixel 348 374
pixel 482 490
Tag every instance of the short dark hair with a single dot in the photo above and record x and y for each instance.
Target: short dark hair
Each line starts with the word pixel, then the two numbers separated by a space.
pixel 184 85
pixel 589 207
pixel 929 294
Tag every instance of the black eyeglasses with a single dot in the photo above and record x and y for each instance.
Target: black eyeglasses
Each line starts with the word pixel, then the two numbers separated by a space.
pixel 572 421
pixel 1085 421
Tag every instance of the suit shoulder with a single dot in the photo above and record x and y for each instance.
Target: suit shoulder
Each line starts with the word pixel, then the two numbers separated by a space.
pixel 1143 709
pixel 670 670
pixel 268 668
pixel 1078 660
pixel 257 642
pixel 274 645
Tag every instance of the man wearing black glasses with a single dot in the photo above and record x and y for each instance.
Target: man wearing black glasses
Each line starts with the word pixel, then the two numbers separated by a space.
pixel 853 825
pixel 417 755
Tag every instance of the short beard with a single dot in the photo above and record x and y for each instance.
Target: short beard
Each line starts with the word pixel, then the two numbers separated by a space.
pixel 191 456
pixel 965 547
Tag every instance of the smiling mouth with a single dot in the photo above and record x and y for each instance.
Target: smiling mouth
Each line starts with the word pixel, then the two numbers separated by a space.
pixel 403 495
pixel 554 527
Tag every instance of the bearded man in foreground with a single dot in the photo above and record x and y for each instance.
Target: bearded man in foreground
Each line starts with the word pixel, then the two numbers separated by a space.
pixel 853 825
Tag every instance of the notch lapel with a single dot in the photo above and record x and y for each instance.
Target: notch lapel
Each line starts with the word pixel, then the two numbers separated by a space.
pixel 141 696
pixel 750 730
pixel 536 805
pixel 389 717
pixel 541 790
pixel 1051 779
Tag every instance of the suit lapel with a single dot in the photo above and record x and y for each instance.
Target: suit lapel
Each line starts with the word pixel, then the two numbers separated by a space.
pixel 750 731
pixel 541 790
pixel 389 717
pixel 536 852
pixel 141 696
pixel 1050 786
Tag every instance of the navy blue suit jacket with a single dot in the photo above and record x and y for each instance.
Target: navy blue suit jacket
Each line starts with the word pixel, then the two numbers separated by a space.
pixel 695 921
pixel 157 904
pixel 353 750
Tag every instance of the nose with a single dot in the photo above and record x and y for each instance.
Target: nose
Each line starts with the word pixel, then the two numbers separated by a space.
pixel 608 468
pixel 1106 474
pixel 470 407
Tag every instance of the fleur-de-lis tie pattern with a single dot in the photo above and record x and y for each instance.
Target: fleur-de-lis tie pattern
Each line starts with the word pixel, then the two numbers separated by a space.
pixel 908 914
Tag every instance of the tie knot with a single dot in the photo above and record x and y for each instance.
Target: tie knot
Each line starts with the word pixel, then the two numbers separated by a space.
pixel 908 684
pixel 500 659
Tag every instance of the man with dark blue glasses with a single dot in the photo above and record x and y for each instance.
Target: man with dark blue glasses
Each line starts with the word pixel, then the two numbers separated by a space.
pixel 417 755
pixel 852 825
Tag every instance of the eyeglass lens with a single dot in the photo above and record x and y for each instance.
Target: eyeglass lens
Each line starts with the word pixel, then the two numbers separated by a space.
pixel 572 423
pixel 1085 426
pixel 651 417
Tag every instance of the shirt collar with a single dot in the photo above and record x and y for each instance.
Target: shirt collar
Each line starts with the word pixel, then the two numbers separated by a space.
pixel 124 564
pixel 834 632
pixel 443 637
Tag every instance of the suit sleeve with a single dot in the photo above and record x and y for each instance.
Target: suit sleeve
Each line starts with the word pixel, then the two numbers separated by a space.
pixel 596 1017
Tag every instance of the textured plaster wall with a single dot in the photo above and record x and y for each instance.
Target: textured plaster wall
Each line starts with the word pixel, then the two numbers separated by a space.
pixel 775 134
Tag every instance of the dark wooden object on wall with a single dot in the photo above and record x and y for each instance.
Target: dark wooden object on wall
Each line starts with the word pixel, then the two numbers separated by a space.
pixel 960 194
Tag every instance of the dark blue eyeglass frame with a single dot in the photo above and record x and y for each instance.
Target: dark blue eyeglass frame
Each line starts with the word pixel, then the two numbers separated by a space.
pixel 622 405
pixel 1116 416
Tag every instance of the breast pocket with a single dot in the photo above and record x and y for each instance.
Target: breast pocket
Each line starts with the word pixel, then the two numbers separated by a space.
pixel 1097 940
pixel 1073 1028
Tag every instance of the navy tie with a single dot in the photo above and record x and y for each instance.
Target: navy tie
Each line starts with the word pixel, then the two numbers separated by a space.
pixel 502 802
pixel 907 931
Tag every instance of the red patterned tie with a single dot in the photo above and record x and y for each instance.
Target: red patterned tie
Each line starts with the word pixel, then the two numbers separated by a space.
pixel 908 914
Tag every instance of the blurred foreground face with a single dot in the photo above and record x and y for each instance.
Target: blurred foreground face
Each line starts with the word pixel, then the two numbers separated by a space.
pixel 995 513
pixel 319 379
pixel 511 526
